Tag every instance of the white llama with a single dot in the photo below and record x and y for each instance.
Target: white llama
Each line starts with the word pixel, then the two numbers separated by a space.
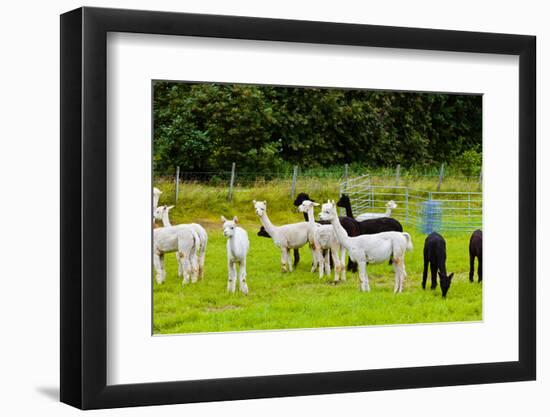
pixel 237 249
pixel 371 249
pixel 286 237
pixel 325 241
pixel 180 239
pixel 163 213
pixel 390 205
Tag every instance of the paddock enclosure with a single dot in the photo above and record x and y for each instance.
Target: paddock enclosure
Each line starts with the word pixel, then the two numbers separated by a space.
pixel 300 299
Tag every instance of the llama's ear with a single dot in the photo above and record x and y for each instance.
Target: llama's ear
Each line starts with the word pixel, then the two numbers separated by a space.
pixel 265 202
pixel 315 204
pixel 224 219
pixel 451 276
pixel 169 207
pixel 253 201
pixel 235 219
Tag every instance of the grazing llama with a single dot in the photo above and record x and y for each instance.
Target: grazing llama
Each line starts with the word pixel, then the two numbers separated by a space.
pixel 476 246
pixel 163 213
pixel 390 205
pixel 325 244
pixel 435 255
pixel 181 239
pixel 371 249
pixel 286 237
pixel 237 249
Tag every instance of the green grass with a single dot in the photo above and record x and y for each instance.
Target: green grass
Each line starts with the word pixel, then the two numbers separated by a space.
pixel 300 299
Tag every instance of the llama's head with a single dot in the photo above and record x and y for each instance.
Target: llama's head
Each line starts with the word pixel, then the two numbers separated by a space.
pixel 391 205
pixel 161 211
pixel 445 283
pixel 328 211
pixel 344 201
pixel 300 198
pixel 263 233
pixel 306 204
pixel 260 207
pixel 229 226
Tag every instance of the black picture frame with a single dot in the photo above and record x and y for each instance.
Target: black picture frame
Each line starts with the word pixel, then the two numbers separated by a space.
pixel 84 207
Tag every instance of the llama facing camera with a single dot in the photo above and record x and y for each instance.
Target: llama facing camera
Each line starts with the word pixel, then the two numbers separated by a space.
pixel 237 250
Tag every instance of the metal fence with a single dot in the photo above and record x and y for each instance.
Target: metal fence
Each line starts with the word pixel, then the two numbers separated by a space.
pixel 448 210
pixel 425 210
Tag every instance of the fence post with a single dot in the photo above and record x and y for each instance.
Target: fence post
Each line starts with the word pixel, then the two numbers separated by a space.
pixel 397 174
pixel 231 181
pixel 441 170
pixel 294 177
pixel 407 205
pixel 480 177
pixel 177 185
pixel 346 172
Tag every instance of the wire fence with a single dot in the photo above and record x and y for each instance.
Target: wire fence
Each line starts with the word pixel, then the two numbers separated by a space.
pixel 426 210
pixel 422 199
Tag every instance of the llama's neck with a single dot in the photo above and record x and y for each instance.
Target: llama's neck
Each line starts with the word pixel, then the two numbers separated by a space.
pixel 166 219
pixel 341 233
pixel 310 216
pixel 348 209
pixel 268 226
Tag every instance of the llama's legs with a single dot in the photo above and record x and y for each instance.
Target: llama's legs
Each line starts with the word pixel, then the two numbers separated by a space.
pixel 288 259
pixel 472 267
pixel 284 256
pixel 397 272
pixel 425 274
pixel 479 269
pixel 231 275
pixel 185 267
pixel 158 262
pixel 194 262
pixel 201 262
pixel 180 265
pixel 320 261
pixel 242 277
pixel 433 270
pixel 296 257
pixel 327 254
pixel 314 258
pixel 402 275
pixel 342 263
pixel 337 265
pixel 363 277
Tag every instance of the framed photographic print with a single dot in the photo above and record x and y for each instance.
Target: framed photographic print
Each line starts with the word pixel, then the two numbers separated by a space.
pixel 257 208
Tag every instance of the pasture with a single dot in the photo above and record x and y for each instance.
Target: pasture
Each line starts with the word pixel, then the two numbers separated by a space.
pixel 298 299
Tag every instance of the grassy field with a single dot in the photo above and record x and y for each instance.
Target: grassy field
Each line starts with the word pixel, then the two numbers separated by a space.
pixel 299 299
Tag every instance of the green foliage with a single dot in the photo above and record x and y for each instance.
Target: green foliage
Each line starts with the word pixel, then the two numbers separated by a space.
pixel 469 163
pixel 206 127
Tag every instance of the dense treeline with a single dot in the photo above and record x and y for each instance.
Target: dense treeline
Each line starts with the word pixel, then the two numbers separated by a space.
pixel 205 127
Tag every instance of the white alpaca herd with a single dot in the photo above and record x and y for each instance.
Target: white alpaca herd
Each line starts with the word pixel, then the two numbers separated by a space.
pixel 189 241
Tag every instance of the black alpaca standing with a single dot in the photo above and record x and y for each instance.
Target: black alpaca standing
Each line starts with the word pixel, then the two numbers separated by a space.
pixel 475 251
pixel 263 233
pixel 368 227
pixel 435 255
